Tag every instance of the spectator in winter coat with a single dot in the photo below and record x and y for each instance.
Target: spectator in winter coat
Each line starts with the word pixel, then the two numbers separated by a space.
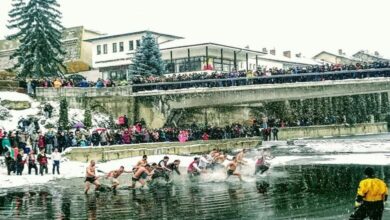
pixel 205 137
pixel 99 83
pixel 20 161
pixel 56 157
pixel 34 141
pixel 41 142
pixel 10 163
pixel 95 138
pixel 49 140
pixel 42 160
pixel 48 110
pixel 57 84
pixel 126 139
pixel 32 164
pixel 104 138
pixel 61 140
pixel 5 142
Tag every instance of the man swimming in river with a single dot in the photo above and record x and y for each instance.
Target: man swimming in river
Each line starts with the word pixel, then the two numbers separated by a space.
pixel 114 175
pixel 91 178
pixel 231 169
pixel 261 162
pixel 174 166
pixel 240 157
pixel 142 162
pixel 140 175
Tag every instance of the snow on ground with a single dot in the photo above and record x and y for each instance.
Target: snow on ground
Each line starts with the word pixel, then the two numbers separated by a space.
pixel 36 111
pixel 73 169
pixel 349 145
pixel 15 96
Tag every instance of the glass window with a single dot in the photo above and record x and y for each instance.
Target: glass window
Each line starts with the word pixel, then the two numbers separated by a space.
pixel 114 49
pixel 99 49
pixel 105 48
pixel 120 46
pixel 138 43
pixel 131 45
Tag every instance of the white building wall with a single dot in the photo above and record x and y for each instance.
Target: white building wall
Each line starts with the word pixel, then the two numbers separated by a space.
pixel 117 58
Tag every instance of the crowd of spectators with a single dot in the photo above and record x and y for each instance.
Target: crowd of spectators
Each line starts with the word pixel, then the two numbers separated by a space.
pixel 258 73
pixel 29 137
pixel 31 84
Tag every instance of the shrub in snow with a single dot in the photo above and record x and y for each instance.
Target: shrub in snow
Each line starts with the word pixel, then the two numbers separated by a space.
pixel 4 113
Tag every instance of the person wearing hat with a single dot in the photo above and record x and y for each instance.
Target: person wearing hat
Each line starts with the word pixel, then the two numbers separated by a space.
pixel 371 195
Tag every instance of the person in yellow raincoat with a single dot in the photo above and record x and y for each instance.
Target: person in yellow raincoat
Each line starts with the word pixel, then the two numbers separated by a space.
pixel 371 196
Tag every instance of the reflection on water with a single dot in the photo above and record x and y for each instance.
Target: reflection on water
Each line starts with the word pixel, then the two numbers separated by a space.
pixel 302 192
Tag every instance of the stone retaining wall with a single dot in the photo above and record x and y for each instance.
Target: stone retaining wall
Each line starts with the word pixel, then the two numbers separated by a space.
pixel 195 147
pixel 332 130
pixel 125 151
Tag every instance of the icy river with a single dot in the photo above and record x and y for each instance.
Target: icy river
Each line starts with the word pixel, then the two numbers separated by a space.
pixel 306 181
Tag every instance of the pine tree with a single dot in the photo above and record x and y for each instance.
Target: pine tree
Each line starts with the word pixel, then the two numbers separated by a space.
pixel 39 33
pixel 64 120
pixel 87 118
pixel 147 60
pixel 111 123
pixel 385 105
pixel 16 14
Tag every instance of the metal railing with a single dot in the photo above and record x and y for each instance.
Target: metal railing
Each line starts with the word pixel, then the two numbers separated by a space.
pixel 83 92
pixel 291 78
pixel 210 83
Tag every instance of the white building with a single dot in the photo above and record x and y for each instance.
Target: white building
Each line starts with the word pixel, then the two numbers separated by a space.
pixel 112 55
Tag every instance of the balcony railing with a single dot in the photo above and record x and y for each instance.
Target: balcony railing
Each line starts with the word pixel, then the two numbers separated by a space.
pixel 291 78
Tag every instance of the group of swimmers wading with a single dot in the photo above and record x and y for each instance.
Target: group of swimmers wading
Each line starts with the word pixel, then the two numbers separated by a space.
pixel 144 172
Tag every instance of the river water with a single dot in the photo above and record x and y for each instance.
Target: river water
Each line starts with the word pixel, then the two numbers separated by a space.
pixel 293 191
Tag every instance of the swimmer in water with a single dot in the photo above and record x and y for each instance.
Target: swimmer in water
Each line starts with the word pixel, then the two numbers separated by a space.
pixel 91 178
pixel 231 169
pixel 114 175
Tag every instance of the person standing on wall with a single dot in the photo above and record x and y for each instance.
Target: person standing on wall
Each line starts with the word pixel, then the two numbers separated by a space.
pixel 371 196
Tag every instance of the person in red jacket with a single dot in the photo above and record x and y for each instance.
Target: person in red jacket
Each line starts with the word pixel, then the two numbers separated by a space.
pixel 205 137
pixel 42 160
pixel 41 142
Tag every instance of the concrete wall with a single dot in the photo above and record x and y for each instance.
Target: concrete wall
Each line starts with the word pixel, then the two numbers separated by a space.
pixel 332 130
pixel 157 105
pixel 125 151
pixel 197 147
pixel 113 101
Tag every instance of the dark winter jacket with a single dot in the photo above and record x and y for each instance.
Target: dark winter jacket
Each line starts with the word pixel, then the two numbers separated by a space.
pixel 42 159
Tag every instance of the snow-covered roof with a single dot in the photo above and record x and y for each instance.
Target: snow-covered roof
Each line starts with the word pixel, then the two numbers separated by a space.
pixel 293 59
pixel 368 53
pixel 337 55
pixel 185 43
pixel 131 33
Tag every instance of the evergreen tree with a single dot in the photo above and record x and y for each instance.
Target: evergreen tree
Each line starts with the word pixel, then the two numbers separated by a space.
pixel 87 118
pixel 385 105
pixel 39 33
pixel 63 122
pixel 16 14
pixel 111 122
pixel 147 60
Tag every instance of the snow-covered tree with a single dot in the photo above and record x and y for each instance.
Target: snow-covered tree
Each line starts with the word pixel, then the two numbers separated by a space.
pixel 147 60
pixel 4 113
pixel 15 15
pixel 87 118
pixel 39 32
pixel 63 122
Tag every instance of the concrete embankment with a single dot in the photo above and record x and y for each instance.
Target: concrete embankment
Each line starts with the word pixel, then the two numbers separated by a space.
pixel 195 147
pixel 133 150
pixel 332 130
